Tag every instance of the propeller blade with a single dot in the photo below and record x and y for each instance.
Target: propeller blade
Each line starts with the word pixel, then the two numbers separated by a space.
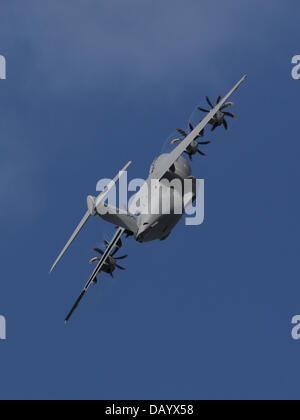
pixel 121 258
pixel 191 127
pixel 189 155
pixel 201 153
pixel 225 124
pixel 202 133
pixel 115 251
pixel 209 102
pixel 229 114
pixel 176 141
pixel 219 99
pixel 118 246
pixel 203 110
pixel 120 267
pixel 98 250
pixel 204 142
pixel 182 132
pixel 93 260
pixel 214 127
pixel 227 105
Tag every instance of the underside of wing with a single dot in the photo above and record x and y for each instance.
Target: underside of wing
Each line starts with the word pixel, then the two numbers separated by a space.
pixel 97 270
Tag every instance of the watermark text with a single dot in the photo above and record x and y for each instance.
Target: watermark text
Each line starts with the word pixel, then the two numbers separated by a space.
pixel 2 328
pixel 296 68
pixel 296 328
pixel 154 197
pixel 2 67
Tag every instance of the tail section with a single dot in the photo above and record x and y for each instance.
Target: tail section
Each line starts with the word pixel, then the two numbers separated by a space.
pixel 121 218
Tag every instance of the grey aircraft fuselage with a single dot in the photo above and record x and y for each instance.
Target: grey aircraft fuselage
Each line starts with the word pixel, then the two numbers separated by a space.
pixel 157 225
pixel 151 220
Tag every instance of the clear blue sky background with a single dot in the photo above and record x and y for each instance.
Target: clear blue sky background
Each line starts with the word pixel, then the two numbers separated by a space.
pixel 206 314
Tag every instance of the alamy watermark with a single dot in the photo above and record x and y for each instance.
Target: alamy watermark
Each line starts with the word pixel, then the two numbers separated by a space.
pixel 2 318
pixel 2 67
pixel 296 68
pixel 296 328
pixel 2 328
pixel 154 197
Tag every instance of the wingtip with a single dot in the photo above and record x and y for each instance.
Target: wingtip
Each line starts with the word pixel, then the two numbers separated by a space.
pixel 52 268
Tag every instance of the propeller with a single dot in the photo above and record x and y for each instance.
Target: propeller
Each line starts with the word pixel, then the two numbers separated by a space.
pixel 112 261
pixel 219 118
pixel 194 146
pixel 184 134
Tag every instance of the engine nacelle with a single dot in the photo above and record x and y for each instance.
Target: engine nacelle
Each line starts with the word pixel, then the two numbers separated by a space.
pixel 181 168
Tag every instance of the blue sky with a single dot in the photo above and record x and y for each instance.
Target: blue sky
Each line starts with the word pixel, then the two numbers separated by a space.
pixel 206 314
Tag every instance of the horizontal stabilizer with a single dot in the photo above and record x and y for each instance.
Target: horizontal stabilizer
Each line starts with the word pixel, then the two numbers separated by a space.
pixel 76 232
pixel 89 213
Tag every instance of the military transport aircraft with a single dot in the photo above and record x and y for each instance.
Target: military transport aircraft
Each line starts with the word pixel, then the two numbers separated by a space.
pixel 147 227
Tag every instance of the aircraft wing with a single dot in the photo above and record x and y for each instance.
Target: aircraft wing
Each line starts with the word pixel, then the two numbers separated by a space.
pixel 106 254
pixel 181 148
